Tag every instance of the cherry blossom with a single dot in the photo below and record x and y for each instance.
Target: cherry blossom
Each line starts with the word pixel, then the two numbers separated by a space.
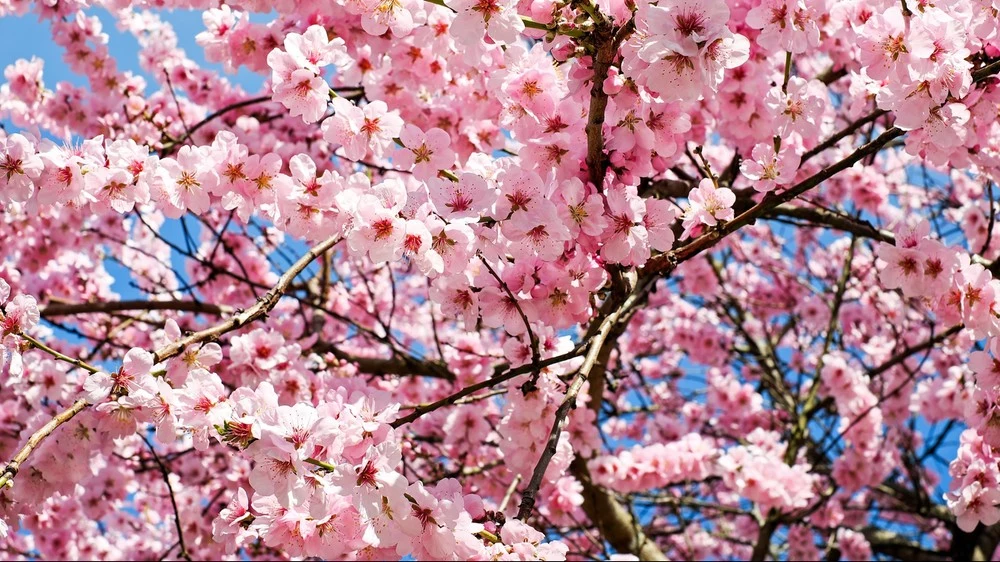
pixel 485 279
pixel 709 205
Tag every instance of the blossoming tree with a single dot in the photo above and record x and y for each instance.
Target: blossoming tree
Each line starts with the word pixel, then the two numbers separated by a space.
pixel 497 279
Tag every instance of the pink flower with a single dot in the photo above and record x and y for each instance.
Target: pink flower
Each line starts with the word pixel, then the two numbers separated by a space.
pixel 686 48
pixel 579 211
pixel 674 73
pixel 380 232
pixel 20 166
pixel 519 190
pixel 708 205
pixel 786 25
pixel 456 298
pixel 191 358
pixel 659 222
pixel 973 505
pixel 537 231
pixel 25 79
pixel 768 169
pixel 500 310
pixel 202 406
pixel 230 526
pixel 116 188
pixel 258 179
pixel 397 15
pixel 314 49
pixel 359 130
pixel 626 239
pixel 987 369
pixel 475 18
pixel 120 416
pixel 305 94
pixel 338 532
pixel 132 377
pixel 295 72
pixel 370 480
pixel 425 152
pixel 439 528
pixel 193 177
pixel 882 40
pixel 529 543
pixel 454 242
pixel 261 348
pixel 800 109
pixel 688 23
pixel 468 198
pixel 19 315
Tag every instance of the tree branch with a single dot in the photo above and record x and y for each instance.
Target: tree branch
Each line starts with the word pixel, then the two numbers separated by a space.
pixel 665 263
pixel 264 305
pixel 36 439
pixel 67 309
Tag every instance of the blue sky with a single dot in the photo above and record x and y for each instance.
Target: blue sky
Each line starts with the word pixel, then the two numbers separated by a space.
pixel 25 37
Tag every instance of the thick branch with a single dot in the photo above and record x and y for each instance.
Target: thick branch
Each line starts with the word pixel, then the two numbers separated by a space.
pixel 892 544
pixel 763 544
pixel 596 159
pixel 391 366
pixel 68 309
pixel 615 523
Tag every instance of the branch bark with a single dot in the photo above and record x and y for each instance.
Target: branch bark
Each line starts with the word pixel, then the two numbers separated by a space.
pixel 52 310
pixel 391 366
pixel 615 523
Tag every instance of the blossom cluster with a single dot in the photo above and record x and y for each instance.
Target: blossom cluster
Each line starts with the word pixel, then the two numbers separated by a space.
pixel 486 279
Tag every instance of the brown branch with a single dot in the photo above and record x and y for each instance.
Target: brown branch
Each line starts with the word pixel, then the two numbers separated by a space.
pixel 403 365
pixel 264 305
pixel 763 544
pixel 212 116
pixel 562 415
pixel 67 309
pixel 496 379
pixel 532 338
pixel 906 353
pixel 892 544
pixel 829 76
pixel 36 439
pixel 614 522
pixel 841 134
pixel 597 162
pixel 173 500
pixel 665 263
pixel 823 217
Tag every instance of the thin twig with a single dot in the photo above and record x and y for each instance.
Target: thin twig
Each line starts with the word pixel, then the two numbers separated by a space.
pixel 173 500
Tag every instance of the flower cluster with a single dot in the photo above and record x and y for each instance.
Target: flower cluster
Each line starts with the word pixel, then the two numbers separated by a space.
pixel 497 279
